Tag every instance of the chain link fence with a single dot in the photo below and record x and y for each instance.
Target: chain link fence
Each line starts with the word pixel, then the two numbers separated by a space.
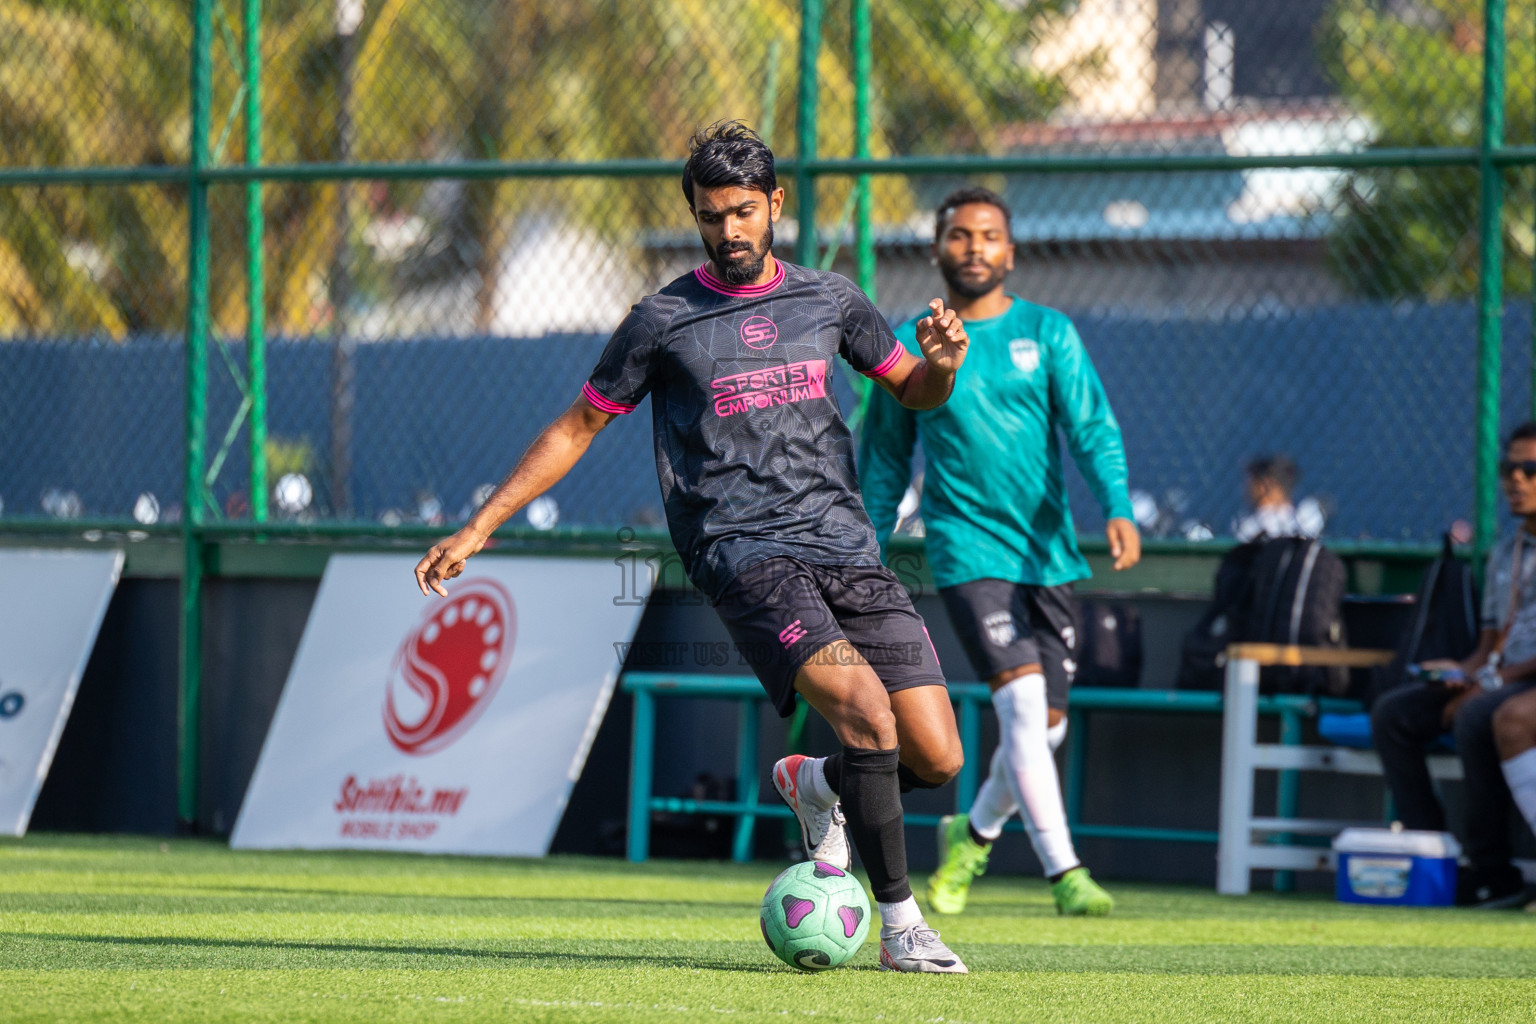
pixel 1263 214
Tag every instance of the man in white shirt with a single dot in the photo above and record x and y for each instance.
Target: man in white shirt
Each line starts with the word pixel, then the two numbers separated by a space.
pixel 1271 478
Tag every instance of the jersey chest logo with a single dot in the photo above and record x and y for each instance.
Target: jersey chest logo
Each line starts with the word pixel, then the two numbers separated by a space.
pixel 1025 354
pixel 759 332
pixel 762 389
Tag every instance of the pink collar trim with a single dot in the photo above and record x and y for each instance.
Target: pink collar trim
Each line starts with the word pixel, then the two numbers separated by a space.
pixel 714 284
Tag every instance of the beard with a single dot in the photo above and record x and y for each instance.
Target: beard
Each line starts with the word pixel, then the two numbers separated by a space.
pixel 971 287
pixel 745 270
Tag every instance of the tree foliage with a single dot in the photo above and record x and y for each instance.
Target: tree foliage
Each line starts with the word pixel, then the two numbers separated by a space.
pixel 105 82
pixel 1415 70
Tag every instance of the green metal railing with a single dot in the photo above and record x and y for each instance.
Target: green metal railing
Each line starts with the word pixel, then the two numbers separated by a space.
pixel 970 698
pixel 1491 158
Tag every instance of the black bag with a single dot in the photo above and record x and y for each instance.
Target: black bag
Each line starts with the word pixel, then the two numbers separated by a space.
pixel 1110 651
pixel 1445 620
pixel 1203 658
pixel 1298 599
pixel 1288 590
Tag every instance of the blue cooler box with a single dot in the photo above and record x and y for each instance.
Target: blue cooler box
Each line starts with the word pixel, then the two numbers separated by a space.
pixel 1396 867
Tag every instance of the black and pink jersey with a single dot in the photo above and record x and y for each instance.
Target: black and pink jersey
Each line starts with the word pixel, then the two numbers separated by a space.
pixel 751 449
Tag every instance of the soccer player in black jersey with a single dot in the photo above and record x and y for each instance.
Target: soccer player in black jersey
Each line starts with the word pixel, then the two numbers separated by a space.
pixel 757 477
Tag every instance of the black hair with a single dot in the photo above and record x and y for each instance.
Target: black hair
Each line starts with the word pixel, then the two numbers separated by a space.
pixel 1524 432
pixel 728 153
pixel 1280 469
pixel 965 197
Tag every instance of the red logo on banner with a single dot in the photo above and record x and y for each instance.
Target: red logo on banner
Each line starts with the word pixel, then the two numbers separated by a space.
pixel 448 668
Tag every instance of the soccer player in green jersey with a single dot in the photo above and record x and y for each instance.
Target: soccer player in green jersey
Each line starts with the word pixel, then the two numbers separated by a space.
pixel 999 533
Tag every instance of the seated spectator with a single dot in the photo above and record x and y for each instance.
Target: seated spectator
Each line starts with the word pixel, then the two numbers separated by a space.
pixel 1466 697
pixel 1271 479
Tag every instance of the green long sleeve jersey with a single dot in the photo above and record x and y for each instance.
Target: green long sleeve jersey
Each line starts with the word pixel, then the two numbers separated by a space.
pixel 994 500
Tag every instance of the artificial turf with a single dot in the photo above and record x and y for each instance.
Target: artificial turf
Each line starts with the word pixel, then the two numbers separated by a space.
pixel 120 929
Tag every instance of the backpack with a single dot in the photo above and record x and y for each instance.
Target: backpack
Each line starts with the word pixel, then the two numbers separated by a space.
pixel 1285 590
pixel 1203 657
pixel 1445 620
pixel 1110 651
pixel 1298 599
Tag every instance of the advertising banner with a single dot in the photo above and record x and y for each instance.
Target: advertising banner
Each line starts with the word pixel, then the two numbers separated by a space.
pixel 445 725
pixel 51 604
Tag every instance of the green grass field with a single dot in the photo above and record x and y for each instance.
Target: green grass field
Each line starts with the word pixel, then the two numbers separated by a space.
pixel 116 929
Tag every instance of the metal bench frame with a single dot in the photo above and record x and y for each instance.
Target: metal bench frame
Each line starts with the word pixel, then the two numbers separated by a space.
pixel 646 687
pixel 1242 757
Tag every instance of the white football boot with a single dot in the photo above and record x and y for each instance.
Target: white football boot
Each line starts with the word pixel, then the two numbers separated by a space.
pixel 917 950
pixel 823 830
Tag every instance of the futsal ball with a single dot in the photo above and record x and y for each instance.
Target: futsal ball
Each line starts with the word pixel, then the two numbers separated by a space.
pixel 815 916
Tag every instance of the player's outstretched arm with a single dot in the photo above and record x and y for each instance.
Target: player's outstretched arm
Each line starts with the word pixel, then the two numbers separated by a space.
pixel 547 460
pixel 926 383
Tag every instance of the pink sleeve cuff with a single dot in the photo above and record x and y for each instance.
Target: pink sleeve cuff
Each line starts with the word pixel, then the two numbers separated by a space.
pixel 607 405
pixel 888 364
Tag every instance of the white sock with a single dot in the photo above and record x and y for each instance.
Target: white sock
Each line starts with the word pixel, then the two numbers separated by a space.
pixel 1030 770
pixel 813 781
pixel 1057 734
pixel 1520 773
pixel 898 917
pixel 994 802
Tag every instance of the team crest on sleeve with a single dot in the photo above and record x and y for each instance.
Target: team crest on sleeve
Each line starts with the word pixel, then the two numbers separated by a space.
pixel 1025 353
pixel 1000 628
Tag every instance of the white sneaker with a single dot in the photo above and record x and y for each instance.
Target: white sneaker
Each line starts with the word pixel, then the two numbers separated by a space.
pixel 918 950
pixel 823 830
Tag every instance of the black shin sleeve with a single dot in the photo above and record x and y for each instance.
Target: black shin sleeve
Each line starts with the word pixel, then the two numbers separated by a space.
pixel 832 768
pixel 910 780
pixel 871 798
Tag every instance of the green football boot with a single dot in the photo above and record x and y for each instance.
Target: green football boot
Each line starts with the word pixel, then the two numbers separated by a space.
pixel 961 859
pixel 1079 895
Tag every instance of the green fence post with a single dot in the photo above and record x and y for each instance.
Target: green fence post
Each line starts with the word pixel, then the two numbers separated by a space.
pixel 766 126
pixel 255 266
pixel 642 763
pixel 189 699
pixel 341 284
pixel 969 779
pixel 1077 766
pixel 1490 305
pixel 863 63
pixel 746 777
pixel 864 238
pixel 805 180
pixel 1288 791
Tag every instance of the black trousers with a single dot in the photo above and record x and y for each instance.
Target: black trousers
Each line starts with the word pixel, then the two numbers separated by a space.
pixel 1405 722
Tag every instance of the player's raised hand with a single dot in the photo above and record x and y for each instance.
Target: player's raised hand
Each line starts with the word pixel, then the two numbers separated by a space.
pixel 942 337
pixel 446 560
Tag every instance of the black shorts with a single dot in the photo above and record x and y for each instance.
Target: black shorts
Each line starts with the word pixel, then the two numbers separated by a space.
pixel 1003 625
pixel 782 611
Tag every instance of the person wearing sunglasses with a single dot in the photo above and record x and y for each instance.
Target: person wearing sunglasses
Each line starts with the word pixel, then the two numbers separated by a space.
pixel 1464 696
